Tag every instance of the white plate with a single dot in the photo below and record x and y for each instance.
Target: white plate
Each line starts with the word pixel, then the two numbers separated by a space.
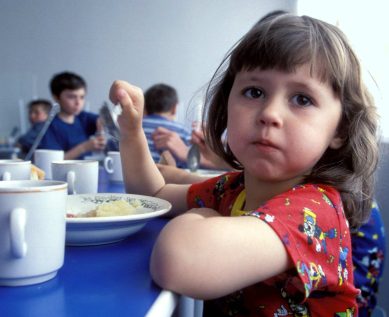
pixel 102 230
pixel 208 173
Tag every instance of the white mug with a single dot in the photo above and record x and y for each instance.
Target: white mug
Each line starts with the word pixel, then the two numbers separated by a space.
pixel 32 231
pixel 43 159
pixel 15 170
pixel 113 166
pixel 81 175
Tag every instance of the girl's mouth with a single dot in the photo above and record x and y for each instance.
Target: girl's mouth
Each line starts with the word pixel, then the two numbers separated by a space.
pixel 265 145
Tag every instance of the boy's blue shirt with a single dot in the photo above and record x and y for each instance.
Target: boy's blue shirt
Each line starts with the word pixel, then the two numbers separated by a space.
pixel 27 139
pixel 64 136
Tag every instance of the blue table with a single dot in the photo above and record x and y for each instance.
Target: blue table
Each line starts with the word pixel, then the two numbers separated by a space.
pixel 107 280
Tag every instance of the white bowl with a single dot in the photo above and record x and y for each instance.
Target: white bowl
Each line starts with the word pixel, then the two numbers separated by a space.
pixel 207 172
pixel 102 230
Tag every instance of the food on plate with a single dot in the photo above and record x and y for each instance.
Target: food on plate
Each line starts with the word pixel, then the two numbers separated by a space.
pixel 111 209
pixel 37 173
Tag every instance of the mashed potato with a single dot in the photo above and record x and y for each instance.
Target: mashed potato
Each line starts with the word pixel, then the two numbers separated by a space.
pixel 113 209
pixel 116 208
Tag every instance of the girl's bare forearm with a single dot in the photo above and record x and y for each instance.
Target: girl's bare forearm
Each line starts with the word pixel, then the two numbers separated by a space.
pixel 140 174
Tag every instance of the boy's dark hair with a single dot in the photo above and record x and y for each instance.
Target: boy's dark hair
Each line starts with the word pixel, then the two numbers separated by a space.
pixel 66 80
pixel 286 42
pixel 45 104
pixel 160 98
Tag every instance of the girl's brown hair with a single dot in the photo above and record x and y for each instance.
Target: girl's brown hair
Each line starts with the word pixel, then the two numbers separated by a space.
pixel 285 42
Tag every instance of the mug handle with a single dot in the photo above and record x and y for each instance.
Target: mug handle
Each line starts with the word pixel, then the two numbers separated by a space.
pixel 6 176
pixel 71 178
pixel 108 164
pixel 18 232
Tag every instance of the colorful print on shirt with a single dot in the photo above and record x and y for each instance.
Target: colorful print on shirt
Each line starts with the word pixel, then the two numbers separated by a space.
pixel 310 221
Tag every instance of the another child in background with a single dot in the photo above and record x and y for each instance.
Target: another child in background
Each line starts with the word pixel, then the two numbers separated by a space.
pixel 72 130
pixel 38 111
pixel 162 131
pixel 273 239
pixel 369 253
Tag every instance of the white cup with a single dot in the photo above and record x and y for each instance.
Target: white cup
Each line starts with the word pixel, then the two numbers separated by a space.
pixel 113 166
pixel 15 170
pixel 43 159
pixel 81 175
pixel 32 231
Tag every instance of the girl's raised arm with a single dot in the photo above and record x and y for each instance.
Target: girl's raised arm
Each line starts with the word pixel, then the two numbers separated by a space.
pixel 140 174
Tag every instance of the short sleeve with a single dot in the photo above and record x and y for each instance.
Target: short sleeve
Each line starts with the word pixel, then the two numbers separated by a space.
pixel 311 223
pixel 217 193
pixel 200 194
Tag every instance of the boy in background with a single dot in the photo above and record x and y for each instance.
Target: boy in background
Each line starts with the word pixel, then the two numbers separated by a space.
pixel 162 131
pixel 38 111
pixel 72 130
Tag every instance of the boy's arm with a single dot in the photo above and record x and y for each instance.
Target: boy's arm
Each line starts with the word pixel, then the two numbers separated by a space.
pixel 166 139
pixel 75 152
pixel 209 159
pixel 140 173
pixel 92 144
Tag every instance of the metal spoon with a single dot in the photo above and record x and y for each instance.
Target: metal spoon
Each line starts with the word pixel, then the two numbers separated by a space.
pixel 109 122
pixel 193 158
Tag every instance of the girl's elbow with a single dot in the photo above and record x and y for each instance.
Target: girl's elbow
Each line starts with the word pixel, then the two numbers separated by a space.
pixel 164 270
pixel 172 258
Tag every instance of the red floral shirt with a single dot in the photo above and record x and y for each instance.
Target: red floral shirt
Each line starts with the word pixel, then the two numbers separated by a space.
pixel 310 221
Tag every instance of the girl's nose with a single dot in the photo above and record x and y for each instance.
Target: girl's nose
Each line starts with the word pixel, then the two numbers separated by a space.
pixel 271 113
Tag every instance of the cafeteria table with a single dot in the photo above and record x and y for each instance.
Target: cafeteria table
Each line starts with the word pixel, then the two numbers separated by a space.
pixel 105 280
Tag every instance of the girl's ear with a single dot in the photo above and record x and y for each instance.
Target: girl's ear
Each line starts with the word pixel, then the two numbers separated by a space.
pixel 336 143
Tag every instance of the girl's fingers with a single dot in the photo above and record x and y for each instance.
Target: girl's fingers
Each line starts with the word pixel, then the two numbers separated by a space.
pixel 124 100
pixel 126 94
pixel 114 94
pixel 131 101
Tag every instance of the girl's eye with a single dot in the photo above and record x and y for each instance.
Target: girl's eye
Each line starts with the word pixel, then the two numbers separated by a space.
pixel 302 101
pixel 253 93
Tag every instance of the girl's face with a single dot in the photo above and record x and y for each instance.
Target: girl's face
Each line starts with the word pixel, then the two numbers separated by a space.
pixel 72 101
pixel 280 124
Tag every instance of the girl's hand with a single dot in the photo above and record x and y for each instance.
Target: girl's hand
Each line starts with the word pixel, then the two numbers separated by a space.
pixel 131 100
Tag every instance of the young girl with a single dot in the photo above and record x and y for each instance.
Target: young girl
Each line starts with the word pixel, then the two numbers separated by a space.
pixel 273 239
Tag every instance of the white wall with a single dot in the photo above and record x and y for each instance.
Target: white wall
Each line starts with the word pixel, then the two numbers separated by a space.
pixel 365 23
pixel 143 41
